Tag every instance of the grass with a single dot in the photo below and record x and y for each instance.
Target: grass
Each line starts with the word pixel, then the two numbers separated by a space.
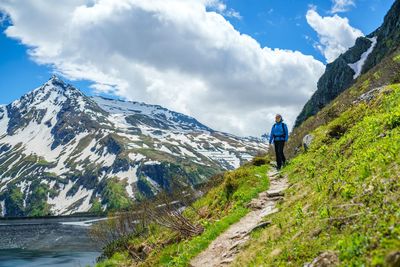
pixel 386 72
pixel 397 58
pixel 345 193
pixel 115 195
pixel 180 254
pixel 221 207
pixel 118 259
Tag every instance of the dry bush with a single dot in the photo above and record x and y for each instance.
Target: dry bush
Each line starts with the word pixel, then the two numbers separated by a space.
pixel 117 226
pixel 166 210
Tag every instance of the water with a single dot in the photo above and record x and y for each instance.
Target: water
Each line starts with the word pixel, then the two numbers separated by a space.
pixel 61 242
pixel 34 258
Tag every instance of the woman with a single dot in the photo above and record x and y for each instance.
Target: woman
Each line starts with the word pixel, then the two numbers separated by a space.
pixel 279 135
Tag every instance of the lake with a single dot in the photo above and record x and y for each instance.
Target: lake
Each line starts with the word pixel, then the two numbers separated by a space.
pixel 47 242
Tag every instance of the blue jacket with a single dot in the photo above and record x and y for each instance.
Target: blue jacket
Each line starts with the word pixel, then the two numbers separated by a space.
pixel 279 132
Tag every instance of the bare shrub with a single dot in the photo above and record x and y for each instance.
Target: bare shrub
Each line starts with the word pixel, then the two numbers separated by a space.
pixel 117 226
pixel 166 209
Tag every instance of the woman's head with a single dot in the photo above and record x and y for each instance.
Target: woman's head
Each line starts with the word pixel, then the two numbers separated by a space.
pixel 278 118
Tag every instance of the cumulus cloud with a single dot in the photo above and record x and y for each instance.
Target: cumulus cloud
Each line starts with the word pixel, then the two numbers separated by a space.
pixel 342 5
pixel 176 53
pixel 222 9
pixel 335 34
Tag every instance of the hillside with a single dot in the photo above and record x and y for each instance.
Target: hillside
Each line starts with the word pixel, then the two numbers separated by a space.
pixel 62 152
pixel 344 195
pixel 342 73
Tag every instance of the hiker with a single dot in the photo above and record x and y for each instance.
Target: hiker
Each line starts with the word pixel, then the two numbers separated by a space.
pixel 279 135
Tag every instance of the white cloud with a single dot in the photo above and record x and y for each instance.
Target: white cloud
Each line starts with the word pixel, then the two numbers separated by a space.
pixel 222 9
pixel 175 53
pixel 335 34
pixel 233 14
pixel 342 5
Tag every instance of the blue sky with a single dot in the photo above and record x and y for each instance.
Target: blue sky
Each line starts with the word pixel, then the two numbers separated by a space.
pixel 282 24
pixel 272 23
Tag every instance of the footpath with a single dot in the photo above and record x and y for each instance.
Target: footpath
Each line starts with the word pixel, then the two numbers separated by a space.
pixel 223 250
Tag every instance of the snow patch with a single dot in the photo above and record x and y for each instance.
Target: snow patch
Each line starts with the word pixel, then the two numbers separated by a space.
pixel 4 121
pixel 36 139
pixel 3 208
pixel 222 157
pixel 153 183
pixel 167 150
pixel 136 157
pixel 184 151
pixel 62 202
pixel 10 166
pixel 131 176
pixel 24 187
pixel 357 66
pixel 152 162
pixel 119 121
pixel 65 154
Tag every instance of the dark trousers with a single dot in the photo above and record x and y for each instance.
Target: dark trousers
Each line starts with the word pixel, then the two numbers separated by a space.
pixel 280 157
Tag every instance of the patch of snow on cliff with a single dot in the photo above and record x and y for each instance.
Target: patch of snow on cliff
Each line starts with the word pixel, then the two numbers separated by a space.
pixel 4 121
pixel 131 177
pixel 357 66
pixel 3 208
pixel 62 202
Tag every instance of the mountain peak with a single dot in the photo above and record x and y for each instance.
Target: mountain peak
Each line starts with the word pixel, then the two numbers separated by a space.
pixel 54 77
pixel 57 82
pixel 54 86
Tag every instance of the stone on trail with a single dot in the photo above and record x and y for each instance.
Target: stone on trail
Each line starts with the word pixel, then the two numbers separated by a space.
pixel 275 193
pixel 261 225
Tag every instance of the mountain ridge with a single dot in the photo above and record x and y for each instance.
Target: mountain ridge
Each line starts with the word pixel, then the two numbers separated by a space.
pixel 62 152
pixel 339 75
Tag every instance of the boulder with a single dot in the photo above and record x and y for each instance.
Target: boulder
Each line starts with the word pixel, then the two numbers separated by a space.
pixel 393 259
pixel 307 140
pixel 325 259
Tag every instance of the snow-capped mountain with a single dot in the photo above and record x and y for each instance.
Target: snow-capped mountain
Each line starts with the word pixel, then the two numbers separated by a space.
pixel 62 152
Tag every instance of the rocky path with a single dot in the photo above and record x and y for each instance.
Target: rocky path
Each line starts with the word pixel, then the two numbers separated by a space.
pixel 223 250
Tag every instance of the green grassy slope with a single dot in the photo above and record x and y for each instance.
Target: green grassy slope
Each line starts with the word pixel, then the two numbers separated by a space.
pixel 345 193
pixel 385 73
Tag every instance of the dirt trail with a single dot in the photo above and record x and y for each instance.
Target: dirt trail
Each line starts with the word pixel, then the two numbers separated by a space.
pixel 223 250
